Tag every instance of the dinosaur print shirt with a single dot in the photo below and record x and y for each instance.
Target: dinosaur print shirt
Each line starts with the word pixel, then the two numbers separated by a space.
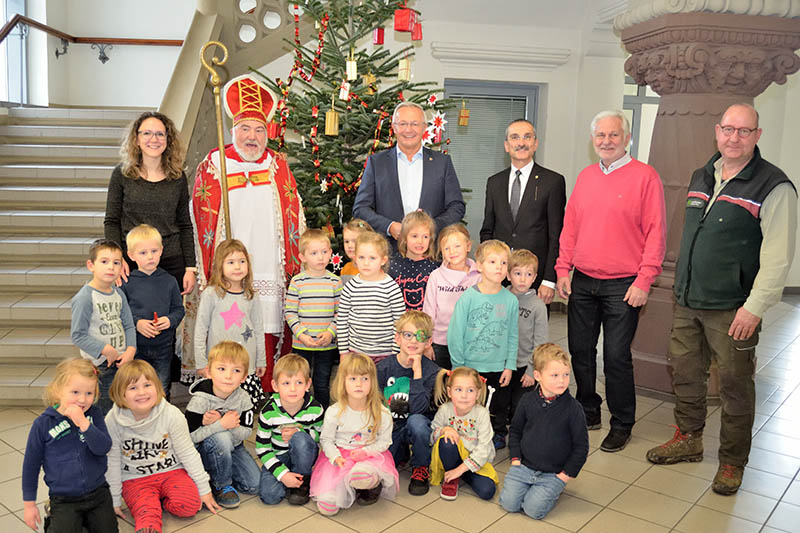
pixel 403 394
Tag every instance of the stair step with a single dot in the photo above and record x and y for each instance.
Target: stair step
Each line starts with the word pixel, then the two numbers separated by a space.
pixel 60 134
pixel 36 345
pixel 26 197
pixel 69 175
pixel 59 152
pixel 18 309
pixel 24 384
pixel 69 250
pixel 35 277
pixel 65 116
pixel 82 223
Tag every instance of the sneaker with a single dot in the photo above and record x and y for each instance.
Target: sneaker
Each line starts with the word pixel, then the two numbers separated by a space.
pixel 299 495
pixel 728 479
pixel 682 447
pixel 368 496
pixel 499 441
pixel 227 497
pixel 616 440
pixel 593 422
pixel 419 484
pixel 449 489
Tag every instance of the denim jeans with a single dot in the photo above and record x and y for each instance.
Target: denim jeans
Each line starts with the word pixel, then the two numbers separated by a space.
pixel 595 302
pixel 321 363
pixel 414 431
pixel 228 464
pixel 299 459
pixel 532 491
pixel 161 360
pixel 483 486
pixel 105 376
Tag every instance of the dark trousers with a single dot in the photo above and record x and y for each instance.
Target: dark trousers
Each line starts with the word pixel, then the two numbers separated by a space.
pixel 594 303
pixel 517 390
pixel 94 511
pixel 161 360
pixel 321 363
pixel 501 403
pixel 442 353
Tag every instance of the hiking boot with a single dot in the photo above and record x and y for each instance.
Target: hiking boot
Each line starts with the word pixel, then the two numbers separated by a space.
pixel 682 447
pixel 449 489
pixel 616 440
pixel 728 479
pixel 368 496
pixel 419 481
pixel 499 442
pixel 299 495
pixel 227 497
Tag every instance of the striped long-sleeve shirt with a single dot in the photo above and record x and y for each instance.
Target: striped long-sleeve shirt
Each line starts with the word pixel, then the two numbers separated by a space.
pixel 311 303
pixel 366 317
pixel 273 417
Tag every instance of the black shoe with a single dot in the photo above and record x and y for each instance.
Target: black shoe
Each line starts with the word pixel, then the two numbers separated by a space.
pixel 499 441
pixel 299 496
pixel 593 422
pixel 420 481
pixel 616 440
pixel 368 496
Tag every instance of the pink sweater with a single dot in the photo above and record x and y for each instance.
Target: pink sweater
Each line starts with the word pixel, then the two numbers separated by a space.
pixel 614 225
pixel 445 287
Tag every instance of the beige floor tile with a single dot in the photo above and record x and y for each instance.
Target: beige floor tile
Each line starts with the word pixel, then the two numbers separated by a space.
pixel 637 448
pixel 650 506
pixel 10 466
pixel 318 524
pixel 706 469
pixel 743 504
pixel 783 427
pixel 467 513
pixel 596 437
pixel 670 482
pixel 702 520
pixel 16 437
pixel 595 488
pixel 572 513
pixel 774 463
pixel 502 466
pixel 173 523
pixel 653 431
pixel 764 483
pixel 209 524
pixel 777 443
pixel 517 522
pixel 767 529
pixel 5 448
pixel 786 516
pixel 376 517
pixel 662 414
pixel 793 494
pixel 10 418
pixel 414 503
pixel 616 466
pixel 767 408
pixel 250 515
pixel 11 523
pixel 11 495
pixel 609 520
pixel 420 523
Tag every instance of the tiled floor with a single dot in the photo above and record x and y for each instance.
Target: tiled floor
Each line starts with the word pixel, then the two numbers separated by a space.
pixel 614 492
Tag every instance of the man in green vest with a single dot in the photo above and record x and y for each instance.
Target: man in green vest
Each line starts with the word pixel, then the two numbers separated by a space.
pixel 737 246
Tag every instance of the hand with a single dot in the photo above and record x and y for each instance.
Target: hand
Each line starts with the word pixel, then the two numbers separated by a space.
pixel 77 416
pixel 394 230
pixel 162 323
pixel 359 454
pixel 516 463
pixel 212 506
pixel 230 420
pixel 635 296
pixel 209 417
pixel 505 378
pixel 189 279
pixel 325 338
pixel 124 273
pixel 564 287
pixel 416 365
pixel 528 381
pixel 546 294
pixel 563 477
pixel 450 435
pixel 32 518
pixel 260 371
pixel 118 512
pixel 744 325
pixel 307 339
pixel 287 433
pixel 127 356
pixel 202 372
pixel 429 353
pixel 291 480
pixel 111 354
pixel 455 473
pixel 339 461
pixel 146 328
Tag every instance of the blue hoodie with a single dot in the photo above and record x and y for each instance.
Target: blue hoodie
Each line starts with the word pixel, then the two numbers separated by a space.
pixel 159 293
pixel 74 462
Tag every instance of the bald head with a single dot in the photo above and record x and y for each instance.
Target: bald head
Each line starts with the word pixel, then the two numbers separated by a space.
pixel 747 109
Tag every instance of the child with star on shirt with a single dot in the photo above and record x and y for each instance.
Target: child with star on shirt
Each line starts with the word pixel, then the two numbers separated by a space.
pixel 412 268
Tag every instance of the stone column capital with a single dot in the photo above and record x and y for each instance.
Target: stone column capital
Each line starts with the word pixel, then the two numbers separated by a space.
pixel 643 10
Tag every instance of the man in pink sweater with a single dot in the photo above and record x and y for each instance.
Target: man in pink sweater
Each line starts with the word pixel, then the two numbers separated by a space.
pixel 614 236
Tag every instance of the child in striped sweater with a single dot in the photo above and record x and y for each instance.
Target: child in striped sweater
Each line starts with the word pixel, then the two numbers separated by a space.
pixel 370 304
pixel 311 302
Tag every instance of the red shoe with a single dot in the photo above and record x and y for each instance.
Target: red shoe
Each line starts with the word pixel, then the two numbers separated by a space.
pixel 449 489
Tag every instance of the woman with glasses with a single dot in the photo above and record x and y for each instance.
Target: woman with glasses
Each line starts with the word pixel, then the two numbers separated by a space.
pixel 149 187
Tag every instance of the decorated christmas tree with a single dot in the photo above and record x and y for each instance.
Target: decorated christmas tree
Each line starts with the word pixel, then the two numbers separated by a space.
pixel 336 103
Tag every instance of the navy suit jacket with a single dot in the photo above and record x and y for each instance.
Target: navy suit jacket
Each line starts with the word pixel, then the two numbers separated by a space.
pixel 379 202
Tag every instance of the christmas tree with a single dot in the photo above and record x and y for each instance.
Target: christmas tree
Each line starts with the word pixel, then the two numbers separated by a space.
pixel 335 106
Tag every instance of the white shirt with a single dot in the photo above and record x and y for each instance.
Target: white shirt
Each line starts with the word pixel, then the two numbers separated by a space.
pixel 523 179
pixel 409 175
pixel 621 162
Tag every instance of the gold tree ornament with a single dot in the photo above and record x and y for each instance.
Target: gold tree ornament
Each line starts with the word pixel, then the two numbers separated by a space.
pixel 369 80
pixel 463 114
pixel 332 121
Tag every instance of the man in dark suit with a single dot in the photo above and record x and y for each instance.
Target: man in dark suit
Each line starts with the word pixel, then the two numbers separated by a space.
pixel 408 177
pixel 525 205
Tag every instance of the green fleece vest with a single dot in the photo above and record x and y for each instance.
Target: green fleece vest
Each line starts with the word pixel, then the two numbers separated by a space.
pixel 719 253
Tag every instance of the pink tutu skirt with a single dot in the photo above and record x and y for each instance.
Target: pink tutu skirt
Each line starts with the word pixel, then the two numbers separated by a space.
pixel 331 483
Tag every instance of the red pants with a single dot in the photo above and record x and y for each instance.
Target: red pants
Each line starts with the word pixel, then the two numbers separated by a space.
pixel 175 489
pixel 271 342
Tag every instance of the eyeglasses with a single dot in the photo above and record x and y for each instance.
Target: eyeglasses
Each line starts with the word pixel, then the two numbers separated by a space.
pixel 744 133
pixel 515 137
pixel 420 335
pixel 147 134
pixel 404 125
pixel 613 136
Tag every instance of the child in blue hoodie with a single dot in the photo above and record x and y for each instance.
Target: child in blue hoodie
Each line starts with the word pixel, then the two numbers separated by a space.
pixel 70 441
pixel 155 301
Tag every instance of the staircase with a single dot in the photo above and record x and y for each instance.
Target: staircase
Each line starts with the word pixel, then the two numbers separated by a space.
pixel 55 164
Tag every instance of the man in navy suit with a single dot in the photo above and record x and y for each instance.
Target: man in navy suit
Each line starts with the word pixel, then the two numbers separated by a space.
pixel 408 177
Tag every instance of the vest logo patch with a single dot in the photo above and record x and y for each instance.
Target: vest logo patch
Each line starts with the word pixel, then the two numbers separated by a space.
pixel 695 202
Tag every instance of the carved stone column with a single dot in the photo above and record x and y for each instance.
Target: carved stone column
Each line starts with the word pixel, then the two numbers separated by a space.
pixel 700 63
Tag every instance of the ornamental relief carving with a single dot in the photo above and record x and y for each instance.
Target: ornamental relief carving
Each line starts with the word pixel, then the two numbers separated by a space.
pixel 727 36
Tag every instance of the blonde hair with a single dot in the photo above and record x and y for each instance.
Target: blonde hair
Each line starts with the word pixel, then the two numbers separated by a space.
pixel 411 221
pixel 357 364
pixel 445 377
pixel 218 281
pixel 549 351
pixel 451 231
pixel 311 235
pixel 131 154
pixel 142 232
pixel 417 319
pixel 129 373
pixel 492 246
pixel 230 351
pixel 378 241
pixel 523 258
pixel 64 371
pixel 291 364
pixel 357 225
